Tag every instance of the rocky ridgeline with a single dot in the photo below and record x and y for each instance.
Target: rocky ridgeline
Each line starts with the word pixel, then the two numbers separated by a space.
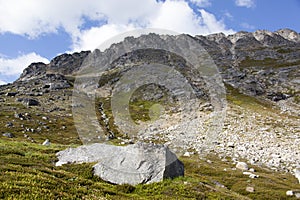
pixel 262 64
pixel 65 64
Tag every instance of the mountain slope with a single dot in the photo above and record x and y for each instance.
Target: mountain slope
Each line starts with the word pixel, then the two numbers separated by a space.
pixel 260 71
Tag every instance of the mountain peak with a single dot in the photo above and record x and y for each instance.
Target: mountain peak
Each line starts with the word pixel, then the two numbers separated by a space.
pixel 289 34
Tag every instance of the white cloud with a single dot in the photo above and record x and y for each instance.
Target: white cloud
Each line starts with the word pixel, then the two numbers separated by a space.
pixel 247 26
pixel 34 17
pixel 14 67
pixel 245 3
pixel 92 38
pixel 173 15
pixel 228 15
pixel 176 16
pixel 212 25
pixel 201 3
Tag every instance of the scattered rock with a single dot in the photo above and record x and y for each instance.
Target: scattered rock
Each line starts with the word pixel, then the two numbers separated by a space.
pixel 209 161
pixel 29 102
pixel 242 166
pixel 45 118
pixel 250 189
pixel 230 144
pixel 30 139
pixel 289 193
pixel 46 142
pixel 19 116
pixel 9 124
pixel 253 176
pixel 59 85
pixel 297 174
pixel 132 164
pixel 252 170
pixel 297 195
pixel 186 154
pixel 11 94
pixel 9 135
pixel 218 184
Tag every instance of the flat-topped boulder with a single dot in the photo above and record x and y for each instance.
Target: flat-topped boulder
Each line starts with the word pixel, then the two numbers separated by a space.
pixel 132 164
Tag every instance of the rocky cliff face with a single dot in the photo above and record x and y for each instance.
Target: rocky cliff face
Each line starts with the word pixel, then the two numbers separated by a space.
pixel 65 64
pixel 263 64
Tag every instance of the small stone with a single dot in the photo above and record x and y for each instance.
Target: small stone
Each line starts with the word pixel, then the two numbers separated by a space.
pixel 186 154
pixel 9 135
pixel 230 144
pixel 297 195
pixel 9 124
pixel 209 161
pixel 250 189
pixel 252 170
pixel 18 115
pixel 242 166
pixel 30 102
pixel 30 139
pixel 253 176
pixel 218 184
pixel 289 193
pixel 46 142
pixel 11 94
pixel 297 174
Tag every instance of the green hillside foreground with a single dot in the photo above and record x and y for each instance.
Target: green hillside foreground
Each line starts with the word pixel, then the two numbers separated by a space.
pixel 27 171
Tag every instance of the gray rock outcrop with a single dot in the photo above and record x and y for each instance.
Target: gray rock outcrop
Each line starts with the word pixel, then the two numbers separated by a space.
pixel 9 135
pixel 132 164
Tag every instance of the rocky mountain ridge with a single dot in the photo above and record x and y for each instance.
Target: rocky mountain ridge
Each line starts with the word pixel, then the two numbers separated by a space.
pixel 259 63
pixel 260 71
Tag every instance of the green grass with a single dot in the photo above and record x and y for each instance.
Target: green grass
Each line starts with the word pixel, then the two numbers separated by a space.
pixel 27 171
pixel 237 98
pixel 267 63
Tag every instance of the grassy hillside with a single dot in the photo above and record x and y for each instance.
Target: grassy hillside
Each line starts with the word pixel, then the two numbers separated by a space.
pixel 27 171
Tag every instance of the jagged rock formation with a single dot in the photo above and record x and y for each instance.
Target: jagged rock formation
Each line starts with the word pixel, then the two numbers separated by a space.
pixel 261 63
pixel 65 64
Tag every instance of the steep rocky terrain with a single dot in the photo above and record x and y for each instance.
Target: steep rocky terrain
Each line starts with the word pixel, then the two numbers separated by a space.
pixel 260 71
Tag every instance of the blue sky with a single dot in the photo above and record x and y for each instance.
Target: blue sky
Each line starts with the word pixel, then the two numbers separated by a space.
pixel 34 30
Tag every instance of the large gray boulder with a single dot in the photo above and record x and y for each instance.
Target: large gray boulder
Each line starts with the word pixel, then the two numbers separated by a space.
pixel 132 164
